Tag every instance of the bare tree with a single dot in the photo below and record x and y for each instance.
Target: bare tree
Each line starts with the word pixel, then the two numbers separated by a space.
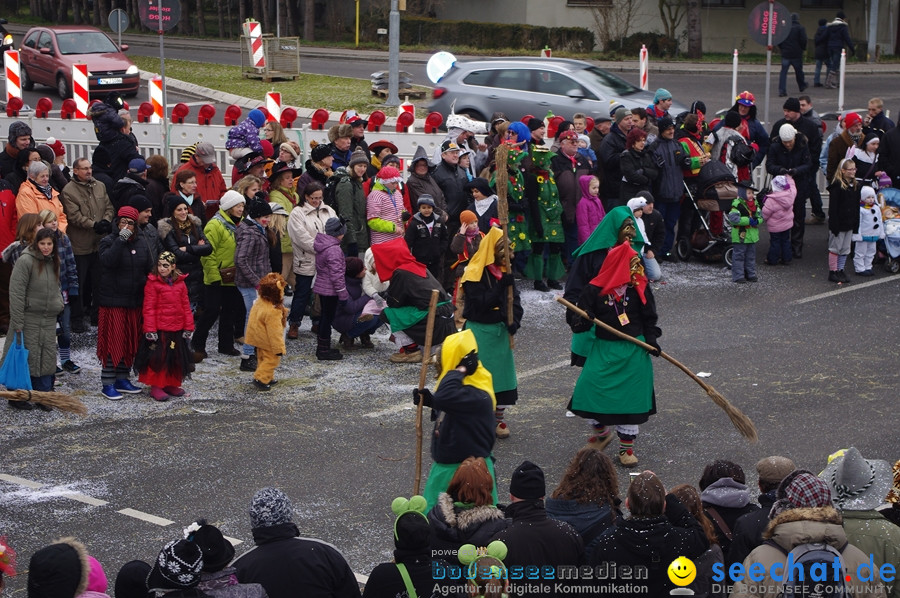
pixel 309 20
pixel 694 30
pixel 201 19
pixel 613 19
pixel 62 11
pixel 672 13
pixel 220 20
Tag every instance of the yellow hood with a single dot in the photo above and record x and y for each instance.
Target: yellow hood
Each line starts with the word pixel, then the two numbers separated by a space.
pixel 455 347
pixel 483 257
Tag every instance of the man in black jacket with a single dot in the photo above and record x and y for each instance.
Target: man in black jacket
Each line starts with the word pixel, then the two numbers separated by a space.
pixel 451 179
pixel 568 166
pixel 789 154
pixel 286 565
pixel 610 152
pixel 792 50
pixel 889 159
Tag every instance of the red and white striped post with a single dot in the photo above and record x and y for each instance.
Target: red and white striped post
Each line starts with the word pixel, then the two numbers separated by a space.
pixel 13 81
pixel 80 89
pixel 734 73
pixel 156 95
pixel 273 104
pixel 644 68
pixel 253 31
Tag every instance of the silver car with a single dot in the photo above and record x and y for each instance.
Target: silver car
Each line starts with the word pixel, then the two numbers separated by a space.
pixel 520 86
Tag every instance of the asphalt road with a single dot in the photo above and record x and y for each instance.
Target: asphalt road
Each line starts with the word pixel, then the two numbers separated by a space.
pixel 813 365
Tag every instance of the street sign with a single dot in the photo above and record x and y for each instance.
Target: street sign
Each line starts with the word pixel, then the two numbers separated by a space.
pixel 159 15
pixel 118 20
pixel 760 21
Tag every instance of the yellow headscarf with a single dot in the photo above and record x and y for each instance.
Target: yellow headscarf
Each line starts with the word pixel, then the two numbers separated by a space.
pixel 455 347
pixel 483 257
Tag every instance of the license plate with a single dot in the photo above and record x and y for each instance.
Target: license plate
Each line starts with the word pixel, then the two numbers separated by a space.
pixel 110 81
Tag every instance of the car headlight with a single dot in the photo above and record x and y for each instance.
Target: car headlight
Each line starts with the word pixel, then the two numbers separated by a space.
pixel 132 70
pixel 7 40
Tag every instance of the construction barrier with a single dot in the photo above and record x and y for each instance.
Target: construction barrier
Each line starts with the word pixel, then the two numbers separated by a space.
pixel 644 68
pixel 273 105
pixel 80 89
pixel 156 99
pixel 253 30
pixel 13 74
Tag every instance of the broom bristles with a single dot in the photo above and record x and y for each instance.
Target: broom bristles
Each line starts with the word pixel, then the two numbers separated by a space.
pixel 61 401
pixel 739 420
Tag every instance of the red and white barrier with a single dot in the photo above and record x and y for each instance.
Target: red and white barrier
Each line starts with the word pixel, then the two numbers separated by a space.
pixel 273 104
pixel 80 89
pixel 645 67
pixel 546 52
pixel 13 81
pixel 253 30
pixel 156 99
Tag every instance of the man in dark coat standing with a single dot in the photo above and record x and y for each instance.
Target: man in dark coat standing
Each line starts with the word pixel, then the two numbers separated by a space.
pixel 792 50
pixel 451 179
pixel 533 538
pixel 789 154
pixel 610 152
pixel 286 565
pixel 567 166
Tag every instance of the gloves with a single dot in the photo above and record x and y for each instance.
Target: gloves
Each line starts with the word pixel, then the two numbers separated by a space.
pixel 754 221
pixel 470 362
pixel 125 234
pixel 405 216
pixel 379 301
pixel 655 344
pixel 151 336
pixel 425 394
pixel 784 171
pixel 352 249
pixel 507 280
pixel 512 328
pixel 103 227
pixel 187 334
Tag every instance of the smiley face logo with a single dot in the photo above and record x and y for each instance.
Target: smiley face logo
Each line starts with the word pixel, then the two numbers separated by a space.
pixel 682 571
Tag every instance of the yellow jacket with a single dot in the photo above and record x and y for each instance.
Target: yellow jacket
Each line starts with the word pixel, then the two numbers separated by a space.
pixel 265 328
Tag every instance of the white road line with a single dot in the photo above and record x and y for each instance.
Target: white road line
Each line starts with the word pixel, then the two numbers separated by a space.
pixel 146 517
pixel 390 410
pixel 20 481
pixel 853 287
pixel 542 369
pixel 234 541
pixel 90 500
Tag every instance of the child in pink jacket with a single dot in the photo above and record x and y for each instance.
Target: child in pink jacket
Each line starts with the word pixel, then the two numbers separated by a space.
pixel 778 214
pixel 590 210
pixel 330 284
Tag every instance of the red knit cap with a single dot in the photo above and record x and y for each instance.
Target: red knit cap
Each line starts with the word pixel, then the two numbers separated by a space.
pixel 851 119
pixel 128 212
pixel 389 174
pixel 57 146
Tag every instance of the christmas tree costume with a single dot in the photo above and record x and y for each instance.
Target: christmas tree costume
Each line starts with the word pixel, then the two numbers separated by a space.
pixel 519 233
pixel 547 228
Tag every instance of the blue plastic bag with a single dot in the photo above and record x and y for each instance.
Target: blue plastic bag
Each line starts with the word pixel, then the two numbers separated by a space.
pixel 14 372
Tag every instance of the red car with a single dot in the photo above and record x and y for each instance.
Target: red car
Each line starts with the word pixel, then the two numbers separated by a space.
pixel 48 53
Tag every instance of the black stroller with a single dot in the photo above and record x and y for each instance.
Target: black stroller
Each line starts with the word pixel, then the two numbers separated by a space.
pixel 712 192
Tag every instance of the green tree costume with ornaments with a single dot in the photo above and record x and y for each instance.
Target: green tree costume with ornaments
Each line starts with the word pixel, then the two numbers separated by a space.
pixel 546 228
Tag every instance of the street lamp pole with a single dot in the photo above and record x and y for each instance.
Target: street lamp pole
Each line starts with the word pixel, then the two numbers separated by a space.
pixel 393 98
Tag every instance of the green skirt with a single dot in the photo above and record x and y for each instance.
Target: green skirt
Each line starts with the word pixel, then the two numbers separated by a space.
pixel 440 476
pixel 616 384
pixel 495 353
pixel 582 343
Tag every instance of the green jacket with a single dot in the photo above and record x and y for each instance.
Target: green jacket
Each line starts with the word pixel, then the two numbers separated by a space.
pixel 279 197
pixel 873 534
pixel 739 216
pixel 351 201
pixel 219 232
pixel 34 303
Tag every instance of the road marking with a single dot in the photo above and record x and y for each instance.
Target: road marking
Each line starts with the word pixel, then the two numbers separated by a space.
pixel 390 410
pixel 854 287
pixel 90 500
pixel 20 481
pixel 146 517
pixel 542 369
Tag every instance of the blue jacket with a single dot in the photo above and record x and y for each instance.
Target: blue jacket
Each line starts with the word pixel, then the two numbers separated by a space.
pixel 839 35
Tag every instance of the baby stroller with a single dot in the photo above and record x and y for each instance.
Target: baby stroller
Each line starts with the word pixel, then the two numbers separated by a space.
pixel 891 227
pixel 713 191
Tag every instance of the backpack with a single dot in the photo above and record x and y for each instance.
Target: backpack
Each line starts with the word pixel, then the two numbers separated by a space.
pixel 741 153
pixel 815 559
pixel 329 195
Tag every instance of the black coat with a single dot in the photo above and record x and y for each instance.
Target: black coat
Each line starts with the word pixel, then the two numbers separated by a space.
pixel 656 230
pixel 794 46
pixel 654 543
pixel 810 130
pixel 451 179
pixel 535 539
pixel 486 301
pixel 127 187
pixel 889 155
pixel 428 246
pixel 611 177
pixel 821 42
pixel 780 160
pixel 288 566
pixel 466 426
pixel 843 208
pixel 748 529
pixel 110 160
pixel 385 580
pixel 566 172
pixel 408 289
pixel 639 171
pixel 669 185
pixel 729 515
pixel 452 525
pixel 124 266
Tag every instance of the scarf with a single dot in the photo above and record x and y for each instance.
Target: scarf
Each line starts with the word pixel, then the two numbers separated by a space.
pixel 483 205
pixel 47 190
pixel 615 273
pixel 188 198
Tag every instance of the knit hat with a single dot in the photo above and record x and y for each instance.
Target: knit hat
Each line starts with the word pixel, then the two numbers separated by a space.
pixel 287 147
pixel 857 484
pixel 57 146
pixel 320 152
pixel 869 138
pixel 636 203
pixel 139 203
pixel 47 154
pixel 660 95
pixel 732 119
pixel 851 119
pixel 258 208
pixel 188 153
pixel 137 165
pixel 787 132
pixel 426 200
pixel 620 115
pixel 18 129
pixel 231 199
pixel 798 490
pixel 449 146
pixel 217 551
pixel 391 159
pixel 534 124
pixel 698 107
pixel 377 146
pixel 131 582
pixel 792 104
pixel 268 150
pixel 568 135
pixel 528 481
pixel 354 266
pixel 746 98
pixel 772 470
pixel 278 209
pixel 358 157
pixel 97 581
pixel 646 195
pixel 481 184
pixel 257 117
pixel 665 123
pixel 866 192
pixel 585 139
pixel 128 212
pixel 467 217
pixel 334 227
pixel 60 570
pixel 177 567
pixel 389 174
pixel 270 507
pixel 338 131
pixel 779 183
pixel 412 531
pixel 175 200
pixel 205 153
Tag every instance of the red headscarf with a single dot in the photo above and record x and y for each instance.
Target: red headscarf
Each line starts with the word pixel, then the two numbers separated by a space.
pixel 616 272
pixel 394 255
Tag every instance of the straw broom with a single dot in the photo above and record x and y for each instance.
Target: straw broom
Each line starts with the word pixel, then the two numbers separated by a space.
pixel 61 401
pixel 423 374
pixel 741 422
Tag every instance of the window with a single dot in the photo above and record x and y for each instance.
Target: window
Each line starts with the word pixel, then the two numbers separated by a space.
pixel 556 84
pixel 31 40
pixel 45 41
pixel 517 79
pixel 723 3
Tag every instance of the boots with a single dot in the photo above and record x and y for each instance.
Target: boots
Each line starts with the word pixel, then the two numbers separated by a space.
pixel 293 332
pixel 831 80
pixel 324 352
pixel 365 341
pixel 346 342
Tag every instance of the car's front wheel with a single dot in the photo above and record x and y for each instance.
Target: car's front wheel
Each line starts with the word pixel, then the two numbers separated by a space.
pixel 27 83
pixel 62 87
